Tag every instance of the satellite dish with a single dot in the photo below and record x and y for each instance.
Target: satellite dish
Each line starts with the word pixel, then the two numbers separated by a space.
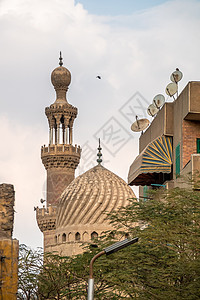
pixel 152 110
pixel 171 89
pixel 140 125
pixel 158 100
pixel 176 76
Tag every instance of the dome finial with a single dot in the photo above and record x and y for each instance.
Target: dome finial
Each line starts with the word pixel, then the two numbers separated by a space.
pixel 99 154
pixel 60 58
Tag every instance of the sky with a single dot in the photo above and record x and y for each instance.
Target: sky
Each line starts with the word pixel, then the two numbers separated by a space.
pixel 133 45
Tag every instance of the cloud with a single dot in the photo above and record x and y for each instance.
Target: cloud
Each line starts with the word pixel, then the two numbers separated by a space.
pixel 134 53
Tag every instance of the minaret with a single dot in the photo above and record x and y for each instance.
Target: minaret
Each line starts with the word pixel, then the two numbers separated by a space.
pixel 60 157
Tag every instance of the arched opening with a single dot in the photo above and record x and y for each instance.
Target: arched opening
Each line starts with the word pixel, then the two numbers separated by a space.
pixel 94 235
pixel 70 237
pixel 55 239
pixel 64 237
pixel 77 236
pixel 85 236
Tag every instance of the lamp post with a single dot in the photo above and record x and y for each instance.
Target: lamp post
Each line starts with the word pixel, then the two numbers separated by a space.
pixel 111 249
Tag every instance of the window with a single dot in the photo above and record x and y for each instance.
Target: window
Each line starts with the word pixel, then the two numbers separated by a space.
pixel 145 191
pixel 177 160
pixel 198 145
pixel 77 236
pixel 94 235
pixel 64 237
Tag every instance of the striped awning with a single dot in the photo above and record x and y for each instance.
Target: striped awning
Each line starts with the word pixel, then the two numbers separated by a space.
pixel 155 158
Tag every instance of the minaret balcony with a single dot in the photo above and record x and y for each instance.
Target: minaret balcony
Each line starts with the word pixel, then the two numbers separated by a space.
pixel 60 149
pixel 46 218
pixel 61 156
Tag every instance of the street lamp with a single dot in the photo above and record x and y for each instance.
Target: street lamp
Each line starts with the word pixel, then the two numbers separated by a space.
pixel 111 249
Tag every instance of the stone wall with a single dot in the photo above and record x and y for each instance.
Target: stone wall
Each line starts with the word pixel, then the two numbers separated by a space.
pixel 9 248
pixel 7 196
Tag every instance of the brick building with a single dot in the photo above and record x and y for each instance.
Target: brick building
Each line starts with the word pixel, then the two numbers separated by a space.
pixel 170 147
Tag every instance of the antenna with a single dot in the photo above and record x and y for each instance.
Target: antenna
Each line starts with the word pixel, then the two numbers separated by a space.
pixel 171 89
pixel 158 100
pixel 152 110
pixel 140 124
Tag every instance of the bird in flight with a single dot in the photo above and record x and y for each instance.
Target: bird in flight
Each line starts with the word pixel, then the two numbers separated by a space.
pixel 99 77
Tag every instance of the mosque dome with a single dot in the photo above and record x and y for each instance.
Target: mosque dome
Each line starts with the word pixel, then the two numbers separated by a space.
pixel 92 195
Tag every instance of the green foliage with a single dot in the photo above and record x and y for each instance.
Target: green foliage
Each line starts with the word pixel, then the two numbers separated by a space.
pixel 166 260
pixel 29 266
pixel 55 279
pixel 164 264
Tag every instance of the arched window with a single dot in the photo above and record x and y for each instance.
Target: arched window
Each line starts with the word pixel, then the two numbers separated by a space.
pixel 85 236
pixel 70 237
pixel 64 237
pixel 77 236
pixel 94 235
pixel 55 239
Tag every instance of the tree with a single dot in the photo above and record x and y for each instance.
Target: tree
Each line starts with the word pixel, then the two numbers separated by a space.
pixel 29 266
pixel 56 281
pixel 165 263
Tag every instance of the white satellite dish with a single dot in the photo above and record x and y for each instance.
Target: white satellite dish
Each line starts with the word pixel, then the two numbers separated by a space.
pixel 152 110
pixel 158 100
pixel 176 76
pixel 171 89
pixel 140 124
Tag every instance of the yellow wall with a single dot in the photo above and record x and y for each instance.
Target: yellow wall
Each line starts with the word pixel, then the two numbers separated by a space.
pixel 9 249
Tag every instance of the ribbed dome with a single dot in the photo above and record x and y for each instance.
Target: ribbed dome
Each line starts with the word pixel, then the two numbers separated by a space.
pixel 92 195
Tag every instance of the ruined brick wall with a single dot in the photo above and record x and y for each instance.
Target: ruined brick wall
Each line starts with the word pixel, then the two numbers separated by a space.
pixel 7 196
pixel 9 248
pixel 190 133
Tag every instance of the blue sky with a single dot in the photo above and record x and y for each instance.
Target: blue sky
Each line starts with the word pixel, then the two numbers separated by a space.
pixel 117 7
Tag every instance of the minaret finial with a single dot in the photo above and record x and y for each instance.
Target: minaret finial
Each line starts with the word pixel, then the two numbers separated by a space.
pixel 99 154
pixel 60 58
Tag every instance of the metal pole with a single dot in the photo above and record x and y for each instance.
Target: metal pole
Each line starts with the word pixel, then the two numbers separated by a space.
pixel 111 249
pixel 90 289
pixel 91 279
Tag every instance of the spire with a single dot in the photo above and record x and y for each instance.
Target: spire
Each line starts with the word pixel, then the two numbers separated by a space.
pixel 60 58
pixel 99 154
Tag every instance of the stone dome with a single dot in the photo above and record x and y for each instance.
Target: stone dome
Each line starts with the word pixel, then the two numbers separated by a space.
pixel 92 195
pixel 61 78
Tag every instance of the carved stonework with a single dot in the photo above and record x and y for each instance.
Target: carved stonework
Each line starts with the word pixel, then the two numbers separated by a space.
pixel 64 109
pixel 60 156
pixel 46 218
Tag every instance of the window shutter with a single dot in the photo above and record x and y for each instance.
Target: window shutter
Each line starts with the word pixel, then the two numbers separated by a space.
pixel 198 145
pixel 145 191
pixel 178 160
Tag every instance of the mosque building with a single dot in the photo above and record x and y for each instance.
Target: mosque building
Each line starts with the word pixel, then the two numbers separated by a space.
pixel 76 208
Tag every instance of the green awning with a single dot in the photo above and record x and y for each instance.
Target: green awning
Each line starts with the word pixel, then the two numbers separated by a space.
pixel 155 158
